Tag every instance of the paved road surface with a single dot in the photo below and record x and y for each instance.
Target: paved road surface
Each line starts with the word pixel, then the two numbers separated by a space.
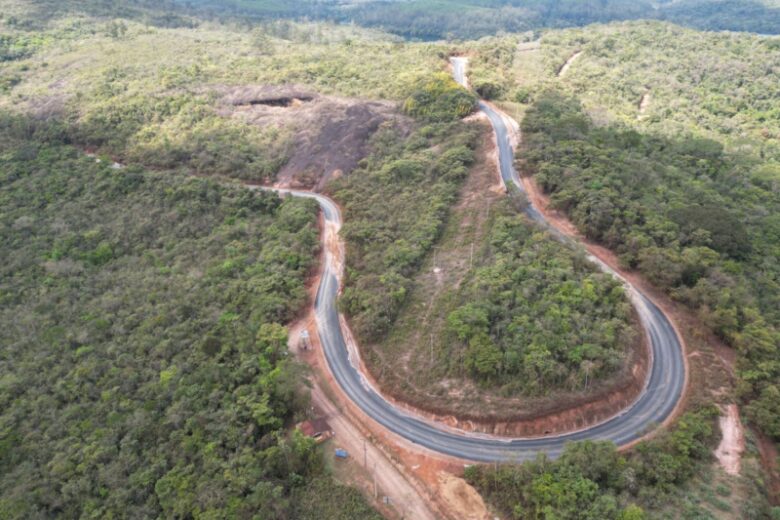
pixel 657 401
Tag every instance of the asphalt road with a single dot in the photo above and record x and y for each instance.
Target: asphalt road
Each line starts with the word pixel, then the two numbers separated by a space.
pixel 662 391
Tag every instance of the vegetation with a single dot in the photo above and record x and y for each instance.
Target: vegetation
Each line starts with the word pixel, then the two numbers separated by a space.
pixel 688 216
pixel 489 271
pixel 437 19
pixel 144 363
pixel 645 149
pixel 36 14
pixel 439 98
pixel 537 317
pixel 395 206
pixel 593 480
pixel 691 79
pixel 145 367
pixel 683 186
pixel 156 96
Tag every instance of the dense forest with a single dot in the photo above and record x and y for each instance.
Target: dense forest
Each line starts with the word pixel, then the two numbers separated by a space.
pixel 145 365
pixel 471 19
pixel 537 317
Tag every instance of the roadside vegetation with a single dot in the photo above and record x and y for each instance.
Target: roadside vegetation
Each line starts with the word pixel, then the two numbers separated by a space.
pixel 507 323
pixel 699 223
pixel 669 160
pixel 535 316
pixel 684 187
pixel 145 365
pixel 591 480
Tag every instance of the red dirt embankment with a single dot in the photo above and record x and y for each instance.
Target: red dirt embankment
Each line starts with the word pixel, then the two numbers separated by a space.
pixel 384 476
pixel 672 311
pixel 566 414
pixel 768 452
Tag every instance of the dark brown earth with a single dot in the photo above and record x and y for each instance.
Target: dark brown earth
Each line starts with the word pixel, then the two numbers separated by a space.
pixel 332 134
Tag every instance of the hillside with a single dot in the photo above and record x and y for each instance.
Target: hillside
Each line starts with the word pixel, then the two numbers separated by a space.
pixel 715 85
pixel 143 354
pixel 146 293
pixel 662 144
pixel 686 190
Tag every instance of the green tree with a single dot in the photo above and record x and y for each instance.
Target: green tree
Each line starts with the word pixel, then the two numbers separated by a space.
pixel 483 357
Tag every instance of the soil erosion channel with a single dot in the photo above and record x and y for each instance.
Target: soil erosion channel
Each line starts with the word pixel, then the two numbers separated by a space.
pixel 655 404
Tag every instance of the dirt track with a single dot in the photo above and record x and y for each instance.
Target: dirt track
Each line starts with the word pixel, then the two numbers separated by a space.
pixel 566 66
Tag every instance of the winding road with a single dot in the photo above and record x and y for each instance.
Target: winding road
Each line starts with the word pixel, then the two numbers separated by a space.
pixel 662 391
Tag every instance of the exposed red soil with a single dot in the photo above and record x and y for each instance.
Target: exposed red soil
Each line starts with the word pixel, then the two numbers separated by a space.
pixel 768 451
pixel 407 495
pixel 427 467
pixel 419 467
pixel 709 365
pixel 421 484
pixel 565 414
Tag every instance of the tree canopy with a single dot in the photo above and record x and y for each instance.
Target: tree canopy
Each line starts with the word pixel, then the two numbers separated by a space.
pixel 145 370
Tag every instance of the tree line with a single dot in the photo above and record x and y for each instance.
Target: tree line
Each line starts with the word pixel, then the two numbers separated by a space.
pixel 592 480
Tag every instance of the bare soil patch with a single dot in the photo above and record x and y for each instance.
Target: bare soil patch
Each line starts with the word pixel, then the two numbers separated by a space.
pixel 463 497
pixel 567 65
pixel 732 443
pixel 332 134
pixel 769 459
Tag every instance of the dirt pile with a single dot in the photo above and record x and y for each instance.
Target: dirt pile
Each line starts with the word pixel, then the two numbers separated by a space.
pixel 331 133
pixel 463 497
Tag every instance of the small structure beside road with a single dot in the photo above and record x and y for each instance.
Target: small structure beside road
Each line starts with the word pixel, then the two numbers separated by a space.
pixel 317 429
